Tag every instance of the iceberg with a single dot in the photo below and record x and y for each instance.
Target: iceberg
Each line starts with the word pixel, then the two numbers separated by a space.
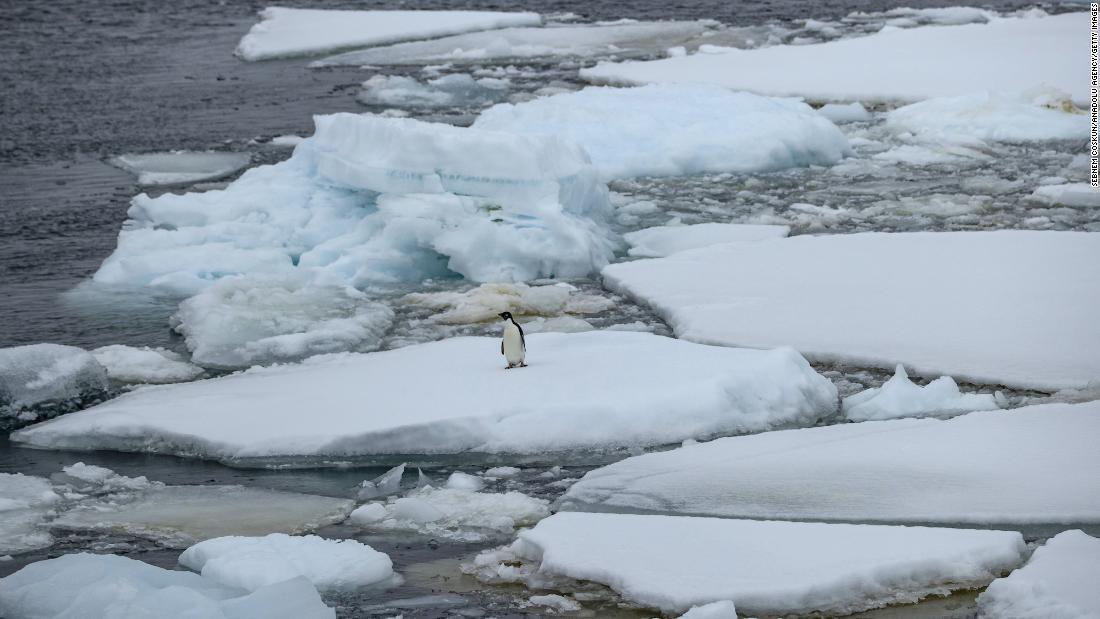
pixel 663 241
pixel 284 32
pixel 1036 464
pixel 1058 581
pixel 921 63
pixel 91 585
pixel 130 364
pixel 368 201
pixel 900 397
pixel 677 129
pixel 25 502
pixel 764 567
pixel 38 377
pixel 181 167
pixel 1013 308
pixel 650 390
pixel 252 563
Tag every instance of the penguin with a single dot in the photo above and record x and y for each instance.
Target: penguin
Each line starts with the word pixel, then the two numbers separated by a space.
pixel 513 346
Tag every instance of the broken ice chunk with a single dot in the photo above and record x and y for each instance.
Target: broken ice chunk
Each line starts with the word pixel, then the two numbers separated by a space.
pixel 900 397
pixel 181 167
pixel 384 485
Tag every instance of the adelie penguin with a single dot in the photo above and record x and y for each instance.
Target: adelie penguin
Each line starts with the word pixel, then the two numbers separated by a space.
pixel 512 346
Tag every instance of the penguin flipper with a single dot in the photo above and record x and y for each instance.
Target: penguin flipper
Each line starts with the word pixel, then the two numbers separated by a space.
pixel 502 347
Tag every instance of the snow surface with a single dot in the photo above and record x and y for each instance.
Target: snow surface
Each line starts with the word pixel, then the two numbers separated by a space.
pixel 455 89
pixel 372 200
pixel 47 373
pixel 938 61
pixel 676 129
pixel 1068 194
pixel 1036 464
pixel 650 390
pixel 768 568
pixel 1008 307
pixel 992 117
pixel 255 562
pixel 901 397
pixel 181 167
pixel 284 32
pixel 244 321
pixel 81 585
pixel 131 364
pixel 666 240
pixel 1060 580
pixel 487 301
pixel 24 504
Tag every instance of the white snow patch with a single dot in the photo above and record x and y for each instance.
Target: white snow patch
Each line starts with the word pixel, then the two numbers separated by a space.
pixel 284 32
pixel 666 240
pixel 46 373
pixel 1068 194
pixel 1060 580
pixel 844 112
pixel 464 481
pixel 991 117
pixel 25 502
pixel 131 364
pixel 485 302
pixel 900 397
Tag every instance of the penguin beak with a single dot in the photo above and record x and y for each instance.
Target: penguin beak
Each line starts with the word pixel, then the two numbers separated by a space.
pixel 501 314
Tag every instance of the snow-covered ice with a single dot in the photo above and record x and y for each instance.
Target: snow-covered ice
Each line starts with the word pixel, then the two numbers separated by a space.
pixel 487 301
pixel 1003 307
pixel 584 40
pixel 900 397
pixel 844 112
pixel 650 390
pixel 48 374
pixel 1068 194
pixel 130 364
pixel 284 32
pixel 372 200
pixel 554 602
pixel 666 240
pixel 1036 464
pixel 181 167
pixel 244 321
pixel 82 585
pixel 724 609
pixel 764 567
pixel 455 89
pixel 992 117
pixel 24 503
pixel 919 63
pixel 97 481
pixel 1059 581
pixel 675 129
pixel 255 562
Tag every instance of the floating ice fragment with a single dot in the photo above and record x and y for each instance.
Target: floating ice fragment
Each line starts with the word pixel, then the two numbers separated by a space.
pixel 130 364
pixel 487 301
pixel 900 397
pixel 24 504
pixel 665 240
pixel 384 485
pixel 554 602
pixel 991 117
pixel 38 376
pixel 1080 195
pixel 502 471
pixel 454 90
pixel 181 167
pixel 715 610
pixel 844 113
pixel 464 481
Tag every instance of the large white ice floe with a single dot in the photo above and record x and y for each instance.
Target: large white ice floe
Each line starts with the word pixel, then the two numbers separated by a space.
pixel 372 200
pixel 255 562
pixel 1068 194
pixel 131 364
pixel 764 567
pixel 486 301
pixel 991 117
pixel 244 321
pixel 674 129
pixel 1037 464
pixel 650 390
pixel 666 240
pixel 900 397
pixel 86 585
pixel 181 167
pixel 919 63
pixel 284 32
pixel 25 502
pixel 53 375
pixel 1060 580
pixel 1005 307
pixel 584 40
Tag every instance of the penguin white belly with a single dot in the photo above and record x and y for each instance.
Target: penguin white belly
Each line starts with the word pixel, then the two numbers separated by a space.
pixel 513 344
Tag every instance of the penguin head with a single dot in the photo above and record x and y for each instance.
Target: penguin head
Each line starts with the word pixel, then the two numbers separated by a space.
pixel 505 315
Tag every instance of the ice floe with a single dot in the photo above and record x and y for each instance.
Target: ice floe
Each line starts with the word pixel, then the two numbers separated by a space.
pixel 900 397
pixel 372 200
pixel 130 364
pixel 255 562
pixel 1068 194
pixel 244 321
pixel 666 240
pixel 991 117
pixel 453 90
pixel 715 610
pixel 844 112
pixel 770 568
pixel 284 32
pixel 650 390
pixel 25 501
pixel 939 61
pixel 668 130
pixel 91 585
pixel 1060 580
pixel 487 301
pixel 511 43
pixel 181 167
pixel 1036 464
pixel 1004 307
pixel 51 376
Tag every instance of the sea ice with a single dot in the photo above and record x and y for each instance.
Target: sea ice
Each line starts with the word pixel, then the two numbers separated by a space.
pixel 666 240
pixel 244 321
pixel 51 375
pixel 764 567
pixel 844 112
pixel 181 167
pixel 485 302
pixel 24 503
pixel 130 364
pixel 81 585
pixel 650 390
pixel 900 397
pixel 456 89
pixel 1060 580
pixel 510 43
pixel 384 485
pixel 715 610
pixel 554 602
pixel 255 562
pixel 1005 307
pixel 369 200
pixel 1078 195
pixel 940 61
pixel 991 117
pixel 676 129
pixel 1036 464
pixel 285 32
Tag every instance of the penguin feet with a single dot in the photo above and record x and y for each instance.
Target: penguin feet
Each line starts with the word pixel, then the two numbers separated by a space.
pixel 522 364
